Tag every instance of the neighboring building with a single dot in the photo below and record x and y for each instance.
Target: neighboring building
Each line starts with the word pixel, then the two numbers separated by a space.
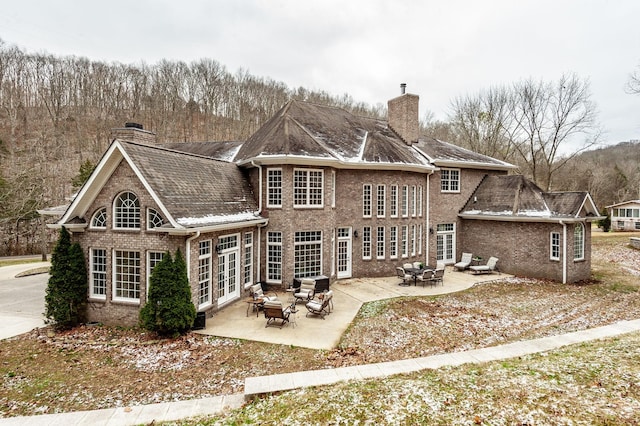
pixel 625 216
pixel 316 191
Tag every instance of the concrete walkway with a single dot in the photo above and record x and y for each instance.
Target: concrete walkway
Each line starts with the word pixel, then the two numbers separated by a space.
pixel 255 386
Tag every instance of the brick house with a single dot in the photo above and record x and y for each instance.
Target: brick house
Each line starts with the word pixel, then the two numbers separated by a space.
pixel 316 191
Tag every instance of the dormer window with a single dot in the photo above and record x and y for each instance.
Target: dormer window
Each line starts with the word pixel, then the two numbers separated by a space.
pixel 154 220
pixel 126 211
pixel 99 219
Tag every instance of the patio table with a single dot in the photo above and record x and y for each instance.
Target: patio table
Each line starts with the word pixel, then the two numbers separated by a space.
pixel 255 303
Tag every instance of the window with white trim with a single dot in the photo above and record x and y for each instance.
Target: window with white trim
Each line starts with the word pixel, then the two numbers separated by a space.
pixel 380 249
pixel 578 242
pixel 405 241
pixel 153 258
pixel 405 201
pixel 393 200
pixel 204 273
pixel 126 275
pixel 98 287
pixel 366 200
pixel 366 242
pixel 393 242
pixel 413 240
pixel 420 239
pixel 381 190
pixel 126 211
pixel 99 219
pixel 248 257
pixel 307 188
pixel 274 257
pixel 274 187
pixel 154 219
pixel 420 195
pixel 450 180
pixel 307 254
pixel 554 246
pixel 414 199
pixel 333 188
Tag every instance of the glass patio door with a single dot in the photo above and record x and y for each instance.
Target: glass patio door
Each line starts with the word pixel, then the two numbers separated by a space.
pixel 228 269
pixel 343 260
pixel 445 243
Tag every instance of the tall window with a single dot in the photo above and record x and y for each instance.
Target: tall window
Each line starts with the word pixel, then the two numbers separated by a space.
pixel 307 188
pixel 393 242
pixel 413 240
pixel 153 258
pixel 274 187
pixel 381 201
pixel 366 200
pixel 420 239
pixel 154 220
pixel 578 242
pixel 380 243
pixel 366 242
pixel 393 201
pixel 126 275
pixel 420 192
pixel 554 246
pixel 248 257
pixel 99 219
pixel 204 273
pixel 414 199
pixel 98 273
pixel 450 180
pixel 307 254
pixel 274 257
pixel 126 213
pixel 405 241
pixel 405 201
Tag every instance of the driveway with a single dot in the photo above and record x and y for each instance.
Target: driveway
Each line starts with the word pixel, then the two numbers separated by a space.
pixel 21 299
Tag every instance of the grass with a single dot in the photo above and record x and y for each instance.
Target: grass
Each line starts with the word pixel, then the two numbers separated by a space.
pixel 11 262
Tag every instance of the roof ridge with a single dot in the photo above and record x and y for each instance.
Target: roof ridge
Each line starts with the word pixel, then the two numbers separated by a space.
pixel 175 151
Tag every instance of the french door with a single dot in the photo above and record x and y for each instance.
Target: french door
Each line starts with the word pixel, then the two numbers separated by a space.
pixel 446 243
pixel 343 259
pixel 228 268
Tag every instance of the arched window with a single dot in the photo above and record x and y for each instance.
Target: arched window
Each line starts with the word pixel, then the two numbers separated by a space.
pixel 99 219
pixel 578 242
pixel 154 220
pixel 126 211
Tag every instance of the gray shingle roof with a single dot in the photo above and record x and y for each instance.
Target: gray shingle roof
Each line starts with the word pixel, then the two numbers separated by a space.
pixel 443 153
pixel 222 150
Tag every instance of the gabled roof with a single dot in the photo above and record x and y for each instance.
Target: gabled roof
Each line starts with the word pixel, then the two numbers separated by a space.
pixel 624 203
pixel 443 154
pixel 223 150
pixel 515 198
pixel 192 191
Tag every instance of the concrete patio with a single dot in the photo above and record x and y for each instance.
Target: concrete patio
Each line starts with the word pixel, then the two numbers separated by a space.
pixel 317 333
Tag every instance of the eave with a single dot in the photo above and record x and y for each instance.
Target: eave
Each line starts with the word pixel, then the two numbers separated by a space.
pixel 302 160
pixel 211 228
pixel 539 219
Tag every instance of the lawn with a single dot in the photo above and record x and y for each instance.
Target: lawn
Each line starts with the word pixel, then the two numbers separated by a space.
pixel 45 372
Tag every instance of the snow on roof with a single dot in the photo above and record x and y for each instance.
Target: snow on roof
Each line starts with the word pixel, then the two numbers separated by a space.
pixel 217 219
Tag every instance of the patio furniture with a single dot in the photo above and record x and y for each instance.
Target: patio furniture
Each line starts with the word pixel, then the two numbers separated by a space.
pixel 489 268
pixel 407 265
pixel 307 290
pixel 259 297
pixel 403 275
pixel 438 275
pixel 464 263
pixel 275 313
pixel 425 277
pixel 320 307
pixel 417 265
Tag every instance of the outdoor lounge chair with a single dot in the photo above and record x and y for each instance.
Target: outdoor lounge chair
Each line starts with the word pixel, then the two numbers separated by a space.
pixel 464 263
pixel 275 313
pixel 306 291
pixel 406 278
pixel 320 307
pixel 489 268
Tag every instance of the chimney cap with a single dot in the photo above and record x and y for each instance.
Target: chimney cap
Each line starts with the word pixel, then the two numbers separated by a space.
pixel 403 87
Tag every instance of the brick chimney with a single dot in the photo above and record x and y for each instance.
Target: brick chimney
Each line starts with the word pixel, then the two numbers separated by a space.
pixel 403 115
pixel 133 132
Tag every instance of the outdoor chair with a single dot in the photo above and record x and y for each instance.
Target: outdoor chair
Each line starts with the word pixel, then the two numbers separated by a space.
pixel 306 291
pixel 464 263
pixel 257 294
pixel 407 265
pixel 275 313
pixel 417 265
pixel 489 268
pixel 402 274
pixel 321 307
pixel 438 276
pixel 425 277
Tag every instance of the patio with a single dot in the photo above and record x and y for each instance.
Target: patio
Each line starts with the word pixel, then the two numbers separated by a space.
pixel 314 332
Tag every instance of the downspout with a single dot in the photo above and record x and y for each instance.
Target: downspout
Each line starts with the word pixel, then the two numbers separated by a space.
pixel 188 253
pixel 564 252
pixel 259 242
pixel 428 217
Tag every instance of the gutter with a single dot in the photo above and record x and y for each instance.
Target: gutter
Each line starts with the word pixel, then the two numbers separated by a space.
pixel 211 228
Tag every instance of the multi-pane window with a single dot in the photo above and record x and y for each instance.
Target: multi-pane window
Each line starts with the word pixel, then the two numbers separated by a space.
pixel 98 273
pixel 578 242
pixel 414 197
pixel 307 254
pixel 554 246
pixel 154 220
pixel 419 239
pixel 366 200
pixel 413 240
pixel 307 188
pixel 393 242
pixel 405 201
pixel 99 219
pixel 366 242
pixel 380 243
pixel 248 257
pixel 381 201
pixel 154 257
pixel 126 214
pixel 420 193
pixel 274 187
pixel 204 273
pixel 393 200
pixel 126 275
pixel 274 257
pixel 404 240
pixel 450 180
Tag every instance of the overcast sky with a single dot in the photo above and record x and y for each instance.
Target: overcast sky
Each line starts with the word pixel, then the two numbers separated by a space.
pixel 365 48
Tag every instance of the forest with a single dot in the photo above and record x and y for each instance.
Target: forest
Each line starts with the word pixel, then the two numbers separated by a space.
pixel 56 115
